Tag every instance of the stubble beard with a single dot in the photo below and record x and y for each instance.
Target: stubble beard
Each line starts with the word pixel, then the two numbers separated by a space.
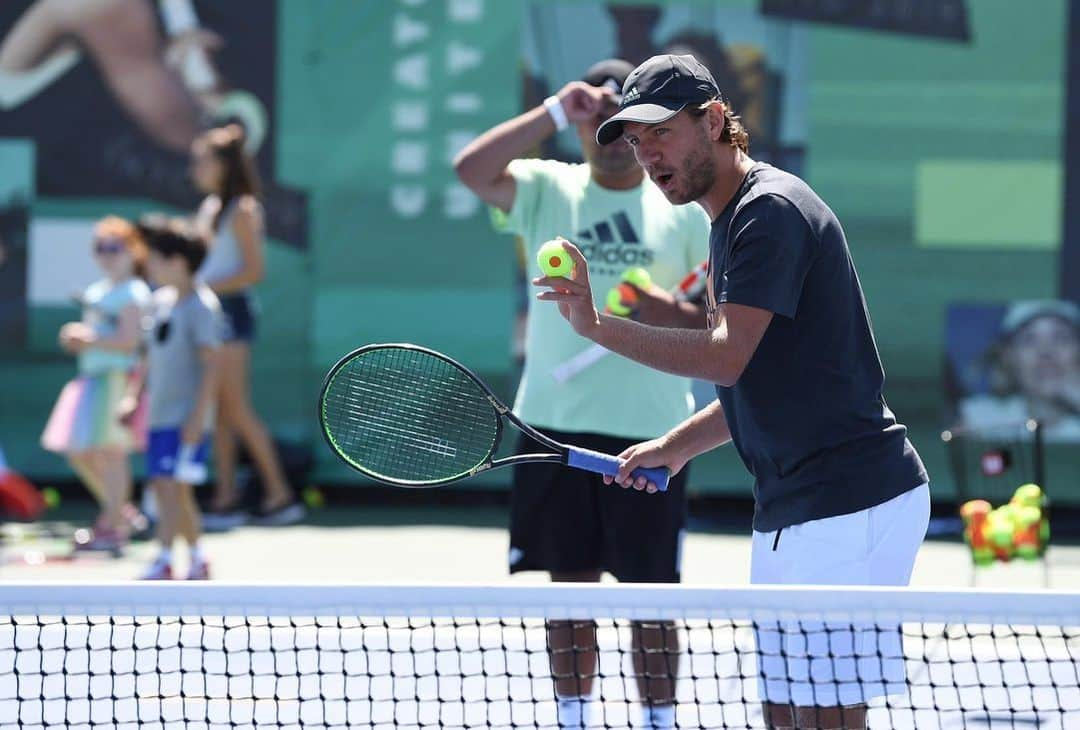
pixel 616 163
pixel 699 173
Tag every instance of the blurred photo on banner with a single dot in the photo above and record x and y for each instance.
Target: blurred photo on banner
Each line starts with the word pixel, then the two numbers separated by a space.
pixel 110 94
pixel 759 62
pixel 1007 363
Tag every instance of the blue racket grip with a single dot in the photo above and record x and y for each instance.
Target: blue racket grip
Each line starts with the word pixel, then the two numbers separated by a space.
pixel 599 463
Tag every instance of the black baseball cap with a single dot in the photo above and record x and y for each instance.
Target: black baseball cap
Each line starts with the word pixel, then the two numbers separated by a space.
pixel 611 73
pixel 657 90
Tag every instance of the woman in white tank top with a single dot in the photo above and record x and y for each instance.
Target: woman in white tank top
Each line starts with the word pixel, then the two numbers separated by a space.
pixel 232 218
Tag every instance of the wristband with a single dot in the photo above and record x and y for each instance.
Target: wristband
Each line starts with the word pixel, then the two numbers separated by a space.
pixel 556 112
pixel 178 16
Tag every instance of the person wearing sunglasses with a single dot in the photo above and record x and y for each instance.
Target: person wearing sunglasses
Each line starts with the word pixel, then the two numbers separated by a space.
pixel 83 425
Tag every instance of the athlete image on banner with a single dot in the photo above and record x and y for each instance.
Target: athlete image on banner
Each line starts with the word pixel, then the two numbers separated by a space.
pixel 140 79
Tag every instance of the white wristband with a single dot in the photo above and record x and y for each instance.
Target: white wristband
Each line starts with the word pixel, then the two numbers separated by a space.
pixel 178 16
pixel 558 114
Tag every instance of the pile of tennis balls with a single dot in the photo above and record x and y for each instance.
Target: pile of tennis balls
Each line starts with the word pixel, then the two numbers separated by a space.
pixel 1019 529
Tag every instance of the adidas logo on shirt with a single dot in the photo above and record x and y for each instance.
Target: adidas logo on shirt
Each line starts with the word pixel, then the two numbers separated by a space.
pixel 604 233
pixel 613 241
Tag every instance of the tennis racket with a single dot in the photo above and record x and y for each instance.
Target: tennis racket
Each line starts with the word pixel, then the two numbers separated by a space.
pixel 689 289
pixel 412 417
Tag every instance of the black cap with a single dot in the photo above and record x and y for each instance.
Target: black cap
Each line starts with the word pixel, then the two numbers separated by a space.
pixel 611 73
pixel 657 90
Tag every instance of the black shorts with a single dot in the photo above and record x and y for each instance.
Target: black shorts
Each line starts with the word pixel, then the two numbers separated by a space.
pixel 565 520
pixel 239 314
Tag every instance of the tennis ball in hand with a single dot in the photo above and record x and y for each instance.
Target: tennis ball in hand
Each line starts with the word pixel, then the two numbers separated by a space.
pixel 621 301
pixel 554 260
pixel 639 277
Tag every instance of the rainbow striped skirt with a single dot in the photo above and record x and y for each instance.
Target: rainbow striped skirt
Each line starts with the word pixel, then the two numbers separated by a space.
pixel 85 416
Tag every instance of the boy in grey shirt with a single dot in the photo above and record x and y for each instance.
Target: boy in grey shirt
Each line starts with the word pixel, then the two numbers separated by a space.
pixel 183 343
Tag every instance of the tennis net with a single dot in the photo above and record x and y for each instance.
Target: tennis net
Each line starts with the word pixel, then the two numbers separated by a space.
pixel 314 656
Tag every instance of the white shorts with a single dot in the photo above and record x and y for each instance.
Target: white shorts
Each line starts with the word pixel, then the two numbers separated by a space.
pixel 823 664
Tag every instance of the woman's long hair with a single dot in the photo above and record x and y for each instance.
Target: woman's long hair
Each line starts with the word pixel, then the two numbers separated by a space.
pixel 241 178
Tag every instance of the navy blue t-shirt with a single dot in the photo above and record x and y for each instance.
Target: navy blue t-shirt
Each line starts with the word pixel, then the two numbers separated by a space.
pixel 807 414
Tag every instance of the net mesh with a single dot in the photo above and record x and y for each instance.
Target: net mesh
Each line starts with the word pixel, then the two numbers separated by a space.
pixel 408 415
pixel 470 657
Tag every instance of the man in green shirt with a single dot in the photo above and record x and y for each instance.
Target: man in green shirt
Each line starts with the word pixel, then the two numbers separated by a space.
pixel 566 521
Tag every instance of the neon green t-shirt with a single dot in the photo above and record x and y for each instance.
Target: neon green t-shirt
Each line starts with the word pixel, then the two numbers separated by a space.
pixel 615 229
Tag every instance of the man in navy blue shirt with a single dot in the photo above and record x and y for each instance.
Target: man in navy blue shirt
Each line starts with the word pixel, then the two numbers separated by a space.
pixel 841 496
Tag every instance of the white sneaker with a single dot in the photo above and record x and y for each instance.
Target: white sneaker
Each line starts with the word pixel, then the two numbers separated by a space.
pixel 158 570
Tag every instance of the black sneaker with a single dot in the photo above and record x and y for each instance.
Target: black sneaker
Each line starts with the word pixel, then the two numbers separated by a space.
pixel 223 520
pixel 286 514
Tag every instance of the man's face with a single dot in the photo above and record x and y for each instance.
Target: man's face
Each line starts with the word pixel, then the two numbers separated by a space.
pixel 614 158
pixel 676 155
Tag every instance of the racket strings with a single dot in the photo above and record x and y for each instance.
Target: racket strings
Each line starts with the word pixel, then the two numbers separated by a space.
pixel 409 416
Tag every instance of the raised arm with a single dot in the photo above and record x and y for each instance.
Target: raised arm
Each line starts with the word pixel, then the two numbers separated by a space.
pixel 482 165
pixel 718 354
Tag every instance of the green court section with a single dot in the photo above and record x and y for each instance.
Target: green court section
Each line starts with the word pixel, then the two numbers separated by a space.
pixel 1010 204
pixel 941 159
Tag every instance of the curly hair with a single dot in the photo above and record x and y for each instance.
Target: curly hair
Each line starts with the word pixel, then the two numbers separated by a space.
pixel 734 132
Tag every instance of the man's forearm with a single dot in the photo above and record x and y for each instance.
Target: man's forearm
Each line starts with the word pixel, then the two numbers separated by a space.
pixel 662 309
pixel 691 353
pixel 701 432
pixel 485 158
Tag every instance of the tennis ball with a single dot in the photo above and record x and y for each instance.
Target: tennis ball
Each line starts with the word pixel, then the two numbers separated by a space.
pixel 554 260
pixel 637 276
pixel 314 498
pixel 621 301
pixel 51 496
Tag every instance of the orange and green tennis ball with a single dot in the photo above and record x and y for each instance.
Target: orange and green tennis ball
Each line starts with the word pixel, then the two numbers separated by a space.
pixel 554 259
pixel 639 277
pixel 621 300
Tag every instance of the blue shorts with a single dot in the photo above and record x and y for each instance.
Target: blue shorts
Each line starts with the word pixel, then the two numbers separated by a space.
pixel 164 457
pixel 239 314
